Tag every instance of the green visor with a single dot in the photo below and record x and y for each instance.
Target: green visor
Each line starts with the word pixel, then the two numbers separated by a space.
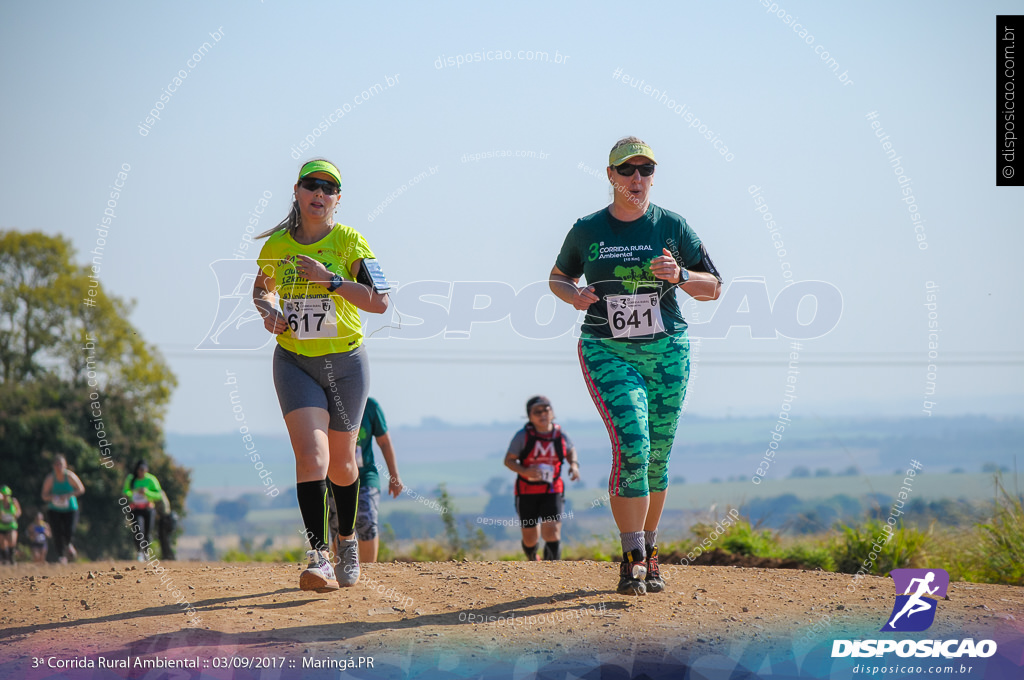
pixel 321 166
pixel 627 151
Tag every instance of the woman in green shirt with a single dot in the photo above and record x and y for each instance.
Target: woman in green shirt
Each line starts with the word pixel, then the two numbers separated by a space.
pixel 10 511
pixel 61 490
pixel 144 492
pixel 633 347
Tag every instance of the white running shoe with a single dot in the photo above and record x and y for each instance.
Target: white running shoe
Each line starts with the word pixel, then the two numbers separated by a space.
pixel 348 562
pixel 319 575
pixel 141 557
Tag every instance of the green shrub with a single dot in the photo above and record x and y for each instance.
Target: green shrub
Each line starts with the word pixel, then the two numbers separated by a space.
pixel 743 539
pixel 893 548
pixel 1002 539
pixel 280 555
pixel 955 550
pixel 429 551
pixel 815 557
pixel 598 548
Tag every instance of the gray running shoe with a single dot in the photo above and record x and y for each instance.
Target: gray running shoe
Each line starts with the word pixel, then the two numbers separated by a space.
pixel 348 562
pixel 319 575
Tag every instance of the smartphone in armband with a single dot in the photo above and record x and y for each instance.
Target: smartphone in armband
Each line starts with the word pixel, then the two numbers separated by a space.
pixel 372 275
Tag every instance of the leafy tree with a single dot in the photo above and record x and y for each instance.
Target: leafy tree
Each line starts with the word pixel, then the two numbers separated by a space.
pixel 799 471
pixel 231 511
pixel 76 378
pixel 200 502
pixel 498 486
pixel 500 506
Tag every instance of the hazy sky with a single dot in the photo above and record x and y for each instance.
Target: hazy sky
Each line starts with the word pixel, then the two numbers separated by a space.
pixel 80 80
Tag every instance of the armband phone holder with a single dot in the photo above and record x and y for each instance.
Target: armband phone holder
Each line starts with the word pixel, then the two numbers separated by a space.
pixel 372 275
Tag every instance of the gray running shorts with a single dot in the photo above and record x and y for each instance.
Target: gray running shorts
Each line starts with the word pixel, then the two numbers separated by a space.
pixel 366 517
pixel 338 383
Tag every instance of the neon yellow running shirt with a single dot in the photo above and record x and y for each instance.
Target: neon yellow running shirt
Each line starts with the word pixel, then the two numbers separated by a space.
pixel 319 322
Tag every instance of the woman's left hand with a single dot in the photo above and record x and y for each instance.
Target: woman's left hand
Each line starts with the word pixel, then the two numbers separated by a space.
pixel 395 487
pixel 311 270
pixel 665 267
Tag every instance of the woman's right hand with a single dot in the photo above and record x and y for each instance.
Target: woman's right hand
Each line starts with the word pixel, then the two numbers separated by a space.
pixel 533 474
pixel 274 322
pixel 584 298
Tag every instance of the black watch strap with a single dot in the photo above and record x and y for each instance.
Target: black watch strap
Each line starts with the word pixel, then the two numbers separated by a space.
pixel 336 282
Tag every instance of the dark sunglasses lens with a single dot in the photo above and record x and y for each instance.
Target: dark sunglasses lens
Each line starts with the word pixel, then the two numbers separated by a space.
pixel 627 170
pixel 328 188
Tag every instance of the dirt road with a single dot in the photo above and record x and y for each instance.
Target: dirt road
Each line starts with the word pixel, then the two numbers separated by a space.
pixel 471 619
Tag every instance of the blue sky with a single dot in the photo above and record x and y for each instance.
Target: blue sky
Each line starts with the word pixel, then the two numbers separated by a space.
pixel 78 80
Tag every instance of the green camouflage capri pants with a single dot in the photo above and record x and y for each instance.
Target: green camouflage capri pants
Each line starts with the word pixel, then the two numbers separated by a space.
pixel 638 388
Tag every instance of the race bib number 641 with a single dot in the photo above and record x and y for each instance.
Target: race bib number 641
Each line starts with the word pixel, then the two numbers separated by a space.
pixel 311 318
pixel 633 316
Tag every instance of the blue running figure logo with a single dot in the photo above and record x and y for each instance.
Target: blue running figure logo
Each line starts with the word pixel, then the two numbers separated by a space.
pixel 915 611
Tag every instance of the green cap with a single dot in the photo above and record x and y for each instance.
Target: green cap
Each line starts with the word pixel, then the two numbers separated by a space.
pixel 321 166
pixel 5 490
pixel 627 151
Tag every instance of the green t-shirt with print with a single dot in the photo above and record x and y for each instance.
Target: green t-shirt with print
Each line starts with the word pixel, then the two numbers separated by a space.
pixel 372 425
pixel 615 258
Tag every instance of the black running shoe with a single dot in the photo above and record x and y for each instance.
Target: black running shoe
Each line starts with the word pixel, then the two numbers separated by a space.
pixel 632 573
pixel 654 582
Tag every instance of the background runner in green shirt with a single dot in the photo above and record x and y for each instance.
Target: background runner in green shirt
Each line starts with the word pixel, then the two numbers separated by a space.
pixel 61 490
pixel 373 426
pixel 10 511
pixel 143 492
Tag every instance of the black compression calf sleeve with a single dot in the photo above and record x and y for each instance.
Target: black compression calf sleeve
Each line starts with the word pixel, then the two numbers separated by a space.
pixel 346 498
pixel 530 550
pixel 552 550
pixel 313 506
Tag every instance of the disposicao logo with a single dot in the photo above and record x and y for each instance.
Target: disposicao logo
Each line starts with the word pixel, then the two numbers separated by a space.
pixel 915 609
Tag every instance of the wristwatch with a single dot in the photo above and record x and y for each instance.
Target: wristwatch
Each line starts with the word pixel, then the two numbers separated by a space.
pixel 336 282
pixel 684 276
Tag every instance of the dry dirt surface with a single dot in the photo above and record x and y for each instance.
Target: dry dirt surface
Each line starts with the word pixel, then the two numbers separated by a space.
pixel 466 619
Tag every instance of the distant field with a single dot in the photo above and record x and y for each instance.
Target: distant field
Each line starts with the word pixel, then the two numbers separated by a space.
pixel 974 487
pixel 693 497
pixel 466 457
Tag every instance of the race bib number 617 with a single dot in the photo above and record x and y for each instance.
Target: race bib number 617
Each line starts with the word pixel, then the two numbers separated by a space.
pixel 311 318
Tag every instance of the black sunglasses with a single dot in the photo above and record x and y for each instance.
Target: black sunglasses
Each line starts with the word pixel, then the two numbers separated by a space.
pixel 314 183
pixel 627 170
